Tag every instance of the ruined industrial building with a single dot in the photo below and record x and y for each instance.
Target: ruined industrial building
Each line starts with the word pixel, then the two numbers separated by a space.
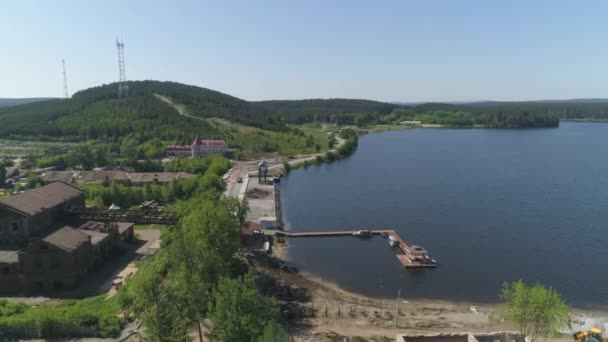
pixel 45 248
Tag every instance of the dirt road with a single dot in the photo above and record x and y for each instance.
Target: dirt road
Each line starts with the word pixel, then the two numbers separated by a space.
pixel 181 109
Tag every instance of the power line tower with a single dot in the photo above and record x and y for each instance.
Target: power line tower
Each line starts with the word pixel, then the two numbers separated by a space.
pixel 123 88
pixel 65 81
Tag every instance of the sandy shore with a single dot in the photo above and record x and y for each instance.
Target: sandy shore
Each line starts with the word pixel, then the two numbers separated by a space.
pixel 339 311
pixel 349 314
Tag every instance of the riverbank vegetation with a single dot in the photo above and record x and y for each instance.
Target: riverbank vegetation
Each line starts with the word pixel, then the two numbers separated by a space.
pixel 465 116
pixel 536 310
pixel 350 139
pixel 588 109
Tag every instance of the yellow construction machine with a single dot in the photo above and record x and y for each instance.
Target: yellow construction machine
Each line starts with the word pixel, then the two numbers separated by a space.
pixel 591 335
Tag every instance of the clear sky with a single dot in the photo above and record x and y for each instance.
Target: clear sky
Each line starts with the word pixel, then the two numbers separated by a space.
pixel 421 50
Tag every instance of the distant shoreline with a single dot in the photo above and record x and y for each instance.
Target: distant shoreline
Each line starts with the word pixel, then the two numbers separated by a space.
pixel 585 120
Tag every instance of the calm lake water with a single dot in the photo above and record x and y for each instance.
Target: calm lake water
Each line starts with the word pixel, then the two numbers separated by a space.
pixel 489 205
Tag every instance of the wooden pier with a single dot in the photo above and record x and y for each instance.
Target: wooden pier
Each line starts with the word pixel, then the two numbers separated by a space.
pixel 411 257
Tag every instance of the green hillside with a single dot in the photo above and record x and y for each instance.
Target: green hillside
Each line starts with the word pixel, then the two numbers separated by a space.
pixel 78 120
pixel 339 111
pixel 265 126
pixel 97 113
pixel 143 117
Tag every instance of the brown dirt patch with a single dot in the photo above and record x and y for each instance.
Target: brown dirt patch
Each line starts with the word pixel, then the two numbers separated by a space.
pixel 256 193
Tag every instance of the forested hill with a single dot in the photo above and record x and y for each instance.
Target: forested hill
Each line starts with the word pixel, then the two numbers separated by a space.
pixel 97 113
pixel 15 102
pixel 72 120
pixel 593 109
pixel 326 110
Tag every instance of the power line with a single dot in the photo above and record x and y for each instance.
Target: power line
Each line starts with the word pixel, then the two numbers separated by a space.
pixel 65 81
pixel 123 88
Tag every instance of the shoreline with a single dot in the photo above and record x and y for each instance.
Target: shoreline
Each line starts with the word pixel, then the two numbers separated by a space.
pixel 335 310
pixel 578 312
pixel 441 301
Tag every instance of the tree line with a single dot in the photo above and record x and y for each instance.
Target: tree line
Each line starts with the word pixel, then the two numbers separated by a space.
pixel 197 276
pixel 96 113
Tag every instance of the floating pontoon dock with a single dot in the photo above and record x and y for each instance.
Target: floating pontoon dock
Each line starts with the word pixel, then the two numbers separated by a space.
pixel 412 257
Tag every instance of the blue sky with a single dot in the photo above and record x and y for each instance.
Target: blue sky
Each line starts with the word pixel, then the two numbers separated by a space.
pixel 257 50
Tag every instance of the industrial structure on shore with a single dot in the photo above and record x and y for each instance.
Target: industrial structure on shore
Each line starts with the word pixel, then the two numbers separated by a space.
pixel 44 247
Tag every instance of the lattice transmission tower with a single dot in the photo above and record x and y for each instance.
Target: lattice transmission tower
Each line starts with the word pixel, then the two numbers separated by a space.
pixel 65 81
pixel 123 88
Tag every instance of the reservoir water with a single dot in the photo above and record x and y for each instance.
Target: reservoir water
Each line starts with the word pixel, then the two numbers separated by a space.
pixel 489 205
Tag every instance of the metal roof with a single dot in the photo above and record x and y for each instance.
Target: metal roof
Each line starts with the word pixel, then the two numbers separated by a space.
pixel 35 201
pixel 9 257
pixel 67 238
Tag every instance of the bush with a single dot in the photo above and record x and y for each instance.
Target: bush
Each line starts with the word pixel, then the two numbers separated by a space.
pixel 537 310
pixel 218 164
pixel 348 147
pixel 240 313
pixel 331 141
pixel 180 189
pixel 330 156
pixel 348 133
pixel 58 160
pixel 274 332
pixel 84 318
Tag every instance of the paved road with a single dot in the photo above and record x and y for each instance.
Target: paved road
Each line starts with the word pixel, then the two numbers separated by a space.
pixel 240 169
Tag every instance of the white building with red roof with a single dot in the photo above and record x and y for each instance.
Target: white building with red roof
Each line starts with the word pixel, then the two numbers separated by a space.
pixel 199 147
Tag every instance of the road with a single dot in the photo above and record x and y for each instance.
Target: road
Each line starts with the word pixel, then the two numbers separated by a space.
pixel 239 169
pixel 181 110
pixel 276 163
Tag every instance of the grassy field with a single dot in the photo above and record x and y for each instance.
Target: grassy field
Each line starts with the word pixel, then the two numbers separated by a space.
pixel 20 148
pixel 256 141
pixel 93 316
pixel 149 226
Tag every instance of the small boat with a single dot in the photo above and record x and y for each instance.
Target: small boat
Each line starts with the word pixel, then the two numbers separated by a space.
pixel 362 233
pixel 392 241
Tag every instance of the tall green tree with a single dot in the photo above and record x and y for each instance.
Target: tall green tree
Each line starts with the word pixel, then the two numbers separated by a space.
pixel 84 156
pixel 100 156
pixel 156 301
pixel 536 310
pixel 205 244
pixel 2 174
pixel 210 223
pixel 310 140
pixel 240 312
